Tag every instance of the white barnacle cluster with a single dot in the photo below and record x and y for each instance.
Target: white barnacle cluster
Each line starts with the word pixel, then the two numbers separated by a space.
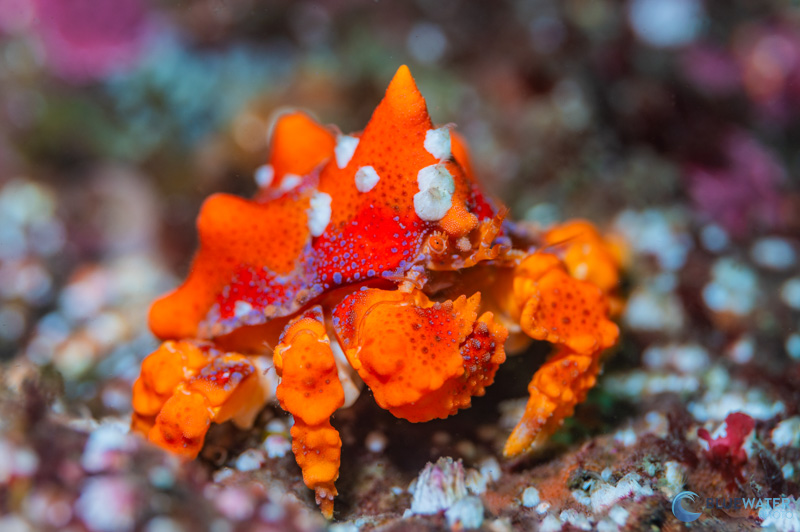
pixel 443 487
pixel 290 182
pixel 264 175
pixel 437 143
pixel 344 150
pixel 366 178
pixel 435 196
pixel 319 213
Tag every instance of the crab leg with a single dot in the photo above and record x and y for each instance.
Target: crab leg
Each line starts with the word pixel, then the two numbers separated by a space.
pixel 422 360
pixel 184 386
pixel 551 305
pixel 310 390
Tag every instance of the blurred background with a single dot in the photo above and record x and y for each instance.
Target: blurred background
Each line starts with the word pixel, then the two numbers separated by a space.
pixel 673 123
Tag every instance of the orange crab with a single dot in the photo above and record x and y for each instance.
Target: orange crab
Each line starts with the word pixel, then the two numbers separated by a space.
pixel 373 257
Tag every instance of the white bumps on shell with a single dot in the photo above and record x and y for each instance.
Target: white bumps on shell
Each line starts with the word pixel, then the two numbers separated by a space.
pixel 319 213
pixel 289 182
pixel 344 150
pixel 242 309
pixel 437 143
pixel 366 178
pixel 264 175
pixel 435 196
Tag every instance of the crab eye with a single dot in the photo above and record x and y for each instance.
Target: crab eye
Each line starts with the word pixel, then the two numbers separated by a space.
pixel 437 244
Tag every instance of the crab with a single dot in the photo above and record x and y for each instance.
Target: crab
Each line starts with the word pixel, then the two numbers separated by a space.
pixel 371 259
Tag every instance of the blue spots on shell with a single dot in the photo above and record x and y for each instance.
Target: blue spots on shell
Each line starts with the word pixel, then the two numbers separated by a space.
pixel 337 278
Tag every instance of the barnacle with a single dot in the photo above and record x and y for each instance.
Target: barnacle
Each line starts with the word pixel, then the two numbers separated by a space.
pixel 379 257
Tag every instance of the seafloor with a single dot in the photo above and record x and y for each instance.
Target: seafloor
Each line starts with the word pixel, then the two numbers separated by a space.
pixel 672 124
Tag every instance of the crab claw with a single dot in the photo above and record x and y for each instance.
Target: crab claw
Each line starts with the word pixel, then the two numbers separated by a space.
pixel 311 391
pixel 184 387
pixel 422 360
pixel 556 388
pixel 587 255
pixel 573 314
pixel 553 306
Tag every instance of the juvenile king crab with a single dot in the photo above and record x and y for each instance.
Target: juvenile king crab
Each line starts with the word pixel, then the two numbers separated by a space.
pixel 371 257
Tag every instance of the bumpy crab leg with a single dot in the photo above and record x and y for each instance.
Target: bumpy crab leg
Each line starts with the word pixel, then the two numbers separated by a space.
pixel 572 314
pixel 311 391
pixel 185 386
pixel 422 359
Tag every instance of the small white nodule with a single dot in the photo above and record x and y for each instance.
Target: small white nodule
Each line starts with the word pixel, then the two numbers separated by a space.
pixel 289 182
pixel 437 143
pixel 344 150
pixel 264 175
pixel 366 178
pixel 242 309
pixel 319 213
pixel 435 196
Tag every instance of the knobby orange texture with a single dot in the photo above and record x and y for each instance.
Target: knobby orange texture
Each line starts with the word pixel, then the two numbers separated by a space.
pixel 375 255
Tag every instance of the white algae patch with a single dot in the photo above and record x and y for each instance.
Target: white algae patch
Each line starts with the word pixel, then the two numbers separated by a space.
pixel 104 445
pixel 793 346
pixel 616 519
pixel 600 495
pixel 638 383
pixel 653 310
pixel 714 238
pixel 626 437
pixel 657 424
pixel 550 524
pixel 657 233
pixel 790 293
pixel 787 433
pixel 573 518
pixel 753 402
pixel 773 253
pixel 685 358
pixel 376 442
pixel 542 507
pixel 530 497
pixel 250 460
pixel 107 504
pixel 466 513
pixel 674 478
pixel 780 520
pixel 733 289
